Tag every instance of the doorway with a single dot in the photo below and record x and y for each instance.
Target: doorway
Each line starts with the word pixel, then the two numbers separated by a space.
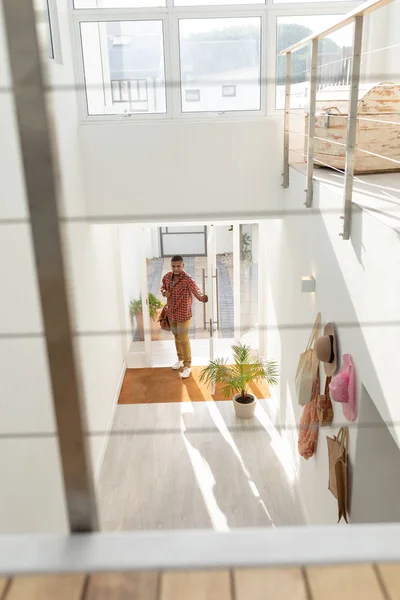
pixel 223 260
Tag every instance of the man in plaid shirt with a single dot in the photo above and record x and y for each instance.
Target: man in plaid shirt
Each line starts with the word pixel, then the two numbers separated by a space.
pixel 180 288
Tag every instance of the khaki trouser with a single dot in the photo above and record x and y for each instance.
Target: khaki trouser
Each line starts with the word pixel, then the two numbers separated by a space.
pixel 182 342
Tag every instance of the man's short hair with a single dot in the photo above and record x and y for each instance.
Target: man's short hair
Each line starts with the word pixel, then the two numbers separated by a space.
pixel 177 258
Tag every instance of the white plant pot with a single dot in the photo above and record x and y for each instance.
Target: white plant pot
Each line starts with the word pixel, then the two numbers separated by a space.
pixel 244 411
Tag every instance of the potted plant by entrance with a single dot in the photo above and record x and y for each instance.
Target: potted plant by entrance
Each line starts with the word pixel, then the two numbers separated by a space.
pixel 155 308
pixel 235 379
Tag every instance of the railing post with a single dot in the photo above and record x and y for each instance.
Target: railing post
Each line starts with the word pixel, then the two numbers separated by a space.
pixel 352 127
pixel 311 124
pixel 41 188
pixel 287 121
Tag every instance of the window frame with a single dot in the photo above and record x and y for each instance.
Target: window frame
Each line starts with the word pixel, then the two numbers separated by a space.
pixel 49 13
pixel 170 16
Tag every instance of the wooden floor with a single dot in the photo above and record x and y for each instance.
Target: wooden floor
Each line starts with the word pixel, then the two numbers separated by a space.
pixel 353 582
pixel 196 466
pixel 150 386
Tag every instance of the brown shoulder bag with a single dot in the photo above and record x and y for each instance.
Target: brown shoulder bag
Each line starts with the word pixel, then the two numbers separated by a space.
pixel 324 406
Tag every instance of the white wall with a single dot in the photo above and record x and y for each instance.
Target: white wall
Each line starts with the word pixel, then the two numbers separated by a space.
pixel 383 32
pixel 181 170
pixel 374 444
pixel 32 498
pixel 358 288
pixel 96 302
pixel 131 259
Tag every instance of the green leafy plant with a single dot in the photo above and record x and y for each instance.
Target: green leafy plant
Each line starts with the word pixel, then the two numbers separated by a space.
pixel 246 241
pixel 236 378
pixel 136 307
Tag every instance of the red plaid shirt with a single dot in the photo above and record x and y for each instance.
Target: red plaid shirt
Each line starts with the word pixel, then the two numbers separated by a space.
pixel 179 307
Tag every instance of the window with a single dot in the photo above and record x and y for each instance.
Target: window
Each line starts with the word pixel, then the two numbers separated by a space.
pixel 182 59
pixel 128 77
pixel 218 49
pixel 44 27
pixel 333 50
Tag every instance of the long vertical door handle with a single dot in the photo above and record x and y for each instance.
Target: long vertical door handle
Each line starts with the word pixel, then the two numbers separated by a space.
pixel 217 289
pixel 204 304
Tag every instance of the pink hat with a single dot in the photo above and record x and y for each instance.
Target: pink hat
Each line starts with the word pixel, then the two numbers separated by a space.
pixel 343 388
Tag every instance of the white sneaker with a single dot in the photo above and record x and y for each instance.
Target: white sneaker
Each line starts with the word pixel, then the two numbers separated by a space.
pixel 178 365
pixel 186 373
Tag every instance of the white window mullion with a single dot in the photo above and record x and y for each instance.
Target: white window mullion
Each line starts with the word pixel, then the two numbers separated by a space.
pixel 175 82
pixel 270 51
pixel 265 51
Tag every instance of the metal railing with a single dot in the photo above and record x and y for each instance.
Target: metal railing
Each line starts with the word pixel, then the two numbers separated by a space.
pixel 343 72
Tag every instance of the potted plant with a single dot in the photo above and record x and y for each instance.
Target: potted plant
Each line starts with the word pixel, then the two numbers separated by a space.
pixel 235 379
pixel 155 308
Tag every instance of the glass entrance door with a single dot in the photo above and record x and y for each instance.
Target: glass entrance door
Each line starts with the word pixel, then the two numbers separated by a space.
pixel 233 289
pixel 226 269
pixel 161 244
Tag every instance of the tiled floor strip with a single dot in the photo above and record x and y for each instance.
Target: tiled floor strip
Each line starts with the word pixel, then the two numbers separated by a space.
pixel 349 582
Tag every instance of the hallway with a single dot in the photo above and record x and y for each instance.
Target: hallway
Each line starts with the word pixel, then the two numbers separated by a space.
pixel 184 465
pixel 194 266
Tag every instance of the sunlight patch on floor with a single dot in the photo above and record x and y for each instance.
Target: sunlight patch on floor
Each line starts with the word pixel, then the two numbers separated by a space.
pixel 225 433
pixel 279 445
pixel 204 477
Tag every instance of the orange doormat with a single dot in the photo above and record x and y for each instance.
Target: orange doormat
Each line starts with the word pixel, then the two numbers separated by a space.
pixel 150 386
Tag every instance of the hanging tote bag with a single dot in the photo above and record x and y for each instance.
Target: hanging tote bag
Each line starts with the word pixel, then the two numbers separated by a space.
pixel 338 451
pixel 307 367
pixel 324 406
pixel 309 424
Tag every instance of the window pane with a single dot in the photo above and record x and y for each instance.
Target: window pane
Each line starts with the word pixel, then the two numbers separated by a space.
pixel 220 64
pixel 117 3
pixel 331 49
pixel 124 67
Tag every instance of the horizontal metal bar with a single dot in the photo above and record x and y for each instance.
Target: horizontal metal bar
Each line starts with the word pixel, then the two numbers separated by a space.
pixel 364 9
pixel 284 327
pixel 330 141
pixel 299 133
pixel 373 120
pixel 319 162
pixel 393 160
pixel 380 49
pixel 358 149
pixel 263 547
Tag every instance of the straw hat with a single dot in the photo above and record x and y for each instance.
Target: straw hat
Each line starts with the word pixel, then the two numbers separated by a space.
pixel 326 349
